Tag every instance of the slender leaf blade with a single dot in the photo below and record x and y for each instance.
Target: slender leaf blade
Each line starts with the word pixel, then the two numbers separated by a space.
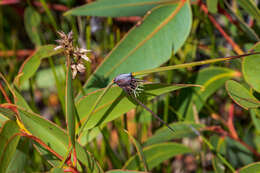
pixel 253 167
pixel 115 8
pixel 115 103
pixel 32 63
pixel 156 154
pixel 70 107
pixel 8 143
pixel 32 20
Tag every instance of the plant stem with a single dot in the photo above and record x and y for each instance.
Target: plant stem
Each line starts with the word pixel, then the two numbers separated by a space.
pixel 192 64
pixel 94 107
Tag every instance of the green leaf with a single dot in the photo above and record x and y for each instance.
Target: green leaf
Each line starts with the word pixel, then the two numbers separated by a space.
pixel 53 136
pixel 212 6
pixel 241 95
pixel 31 64
pixel 57 170
pixel 32 20
pixel 139 150
pixel 21 158
pixel 123 171
pixel 146 46
pixel 237 154
pixel 211 78
pixel 7 114
pixel 182 129
pixel 251 69
pixel 156 154
pixel 8 143
pixel 71 111
pixel 115 103
pixel 115 8
pixel 251 8
pixel 253 167
pixel 3 119
pixel 255 115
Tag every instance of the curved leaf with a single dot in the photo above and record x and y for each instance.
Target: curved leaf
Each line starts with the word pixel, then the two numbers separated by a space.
pixel 32 21
pixel 156 154
pixel 8 143
pixel 53 136
pixel 139 151
pixel 115 8
pixel 241 95
pixel 146 46
pixel 115 103
pixel 251 69
pixel 31 64
pixel 182 129
pixel 253 167
pixel 211 78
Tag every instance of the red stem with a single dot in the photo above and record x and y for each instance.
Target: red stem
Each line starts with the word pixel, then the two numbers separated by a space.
pixel 220 29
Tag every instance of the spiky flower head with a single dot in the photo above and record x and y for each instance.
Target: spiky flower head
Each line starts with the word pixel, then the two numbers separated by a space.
pixel 129 84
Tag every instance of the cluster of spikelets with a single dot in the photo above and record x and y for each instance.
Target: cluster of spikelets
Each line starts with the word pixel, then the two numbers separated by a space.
pixel 76 54
pixel 127 82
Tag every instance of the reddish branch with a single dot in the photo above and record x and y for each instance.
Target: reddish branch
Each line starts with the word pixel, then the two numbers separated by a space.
pixel 4 94
pixel 230 124
pixel 229 17
pixel 220 29
pixel 19 53
pixel 219 130
pixel 39 141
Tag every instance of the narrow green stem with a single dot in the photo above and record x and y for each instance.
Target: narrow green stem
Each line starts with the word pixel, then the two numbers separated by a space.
pixel 192 64
pixel 94 107
pixel 49 14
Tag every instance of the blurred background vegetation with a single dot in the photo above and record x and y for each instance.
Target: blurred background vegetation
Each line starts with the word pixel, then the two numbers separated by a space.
pixel 225 112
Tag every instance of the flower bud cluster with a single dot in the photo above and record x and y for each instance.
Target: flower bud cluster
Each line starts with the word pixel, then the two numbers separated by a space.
pixel 77 54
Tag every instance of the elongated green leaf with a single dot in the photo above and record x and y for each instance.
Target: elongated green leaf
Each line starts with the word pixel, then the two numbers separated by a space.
pixel 123 171
pixel 32 63
pixel 115 103
pixel 244 26
pixel 21 158
pixel 255 114
pixel 57 170
pixel 146 46
pixel 251 69
pixel 3 119
pixel 53 136
pixel 253 167
pixel 212 6
pixel 241 95
pixel 251 8
pixel 182 129
pixel 8 143
pixel 32 21
pixel 7 113
pixel 139 151
pixel 70 107
pixel 156 154
pixel 211 79
pixel 115 8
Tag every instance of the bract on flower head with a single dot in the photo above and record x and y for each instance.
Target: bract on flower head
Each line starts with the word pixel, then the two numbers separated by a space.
pixel 129 84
